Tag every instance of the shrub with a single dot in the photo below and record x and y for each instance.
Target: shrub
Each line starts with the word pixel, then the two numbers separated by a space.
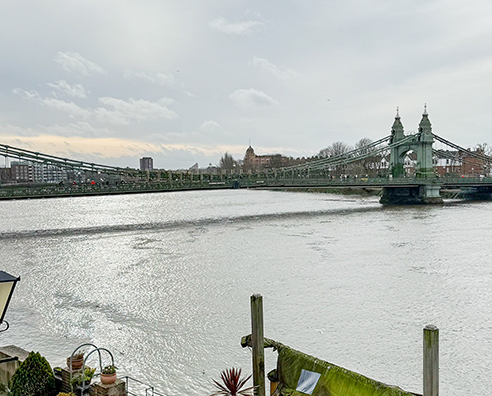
pixel 34 377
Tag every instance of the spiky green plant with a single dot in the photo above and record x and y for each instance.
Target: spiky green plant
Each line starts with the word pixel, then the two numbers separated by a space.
pixel 232 384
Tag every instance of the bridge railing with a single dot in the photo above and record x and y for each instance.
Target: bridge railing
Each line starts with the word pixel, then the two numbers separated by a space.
pixel 230 181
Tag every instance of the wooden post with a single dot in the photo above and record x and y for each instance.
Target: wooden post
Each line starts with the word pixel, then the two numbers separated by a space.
pixel 257 342
pixel 431 361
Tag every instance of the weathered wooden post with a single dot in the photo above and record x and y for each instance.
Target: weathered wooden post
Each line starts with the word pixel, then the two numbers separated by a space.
pixel 257 342
pixel 431 360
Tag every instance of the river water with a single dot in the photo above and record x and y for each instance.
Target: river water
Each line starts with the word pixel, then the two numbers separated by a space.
pixel 164 282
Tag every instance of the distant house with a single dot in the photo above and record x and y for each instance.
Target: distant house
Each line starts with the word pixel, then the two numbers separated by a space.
pixel 410 163
pixel 448 163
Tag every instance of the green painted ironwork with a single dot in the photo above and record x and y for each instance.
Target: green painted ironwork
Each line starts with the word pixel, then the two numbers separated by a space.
pixel 229 182
pixel 313 173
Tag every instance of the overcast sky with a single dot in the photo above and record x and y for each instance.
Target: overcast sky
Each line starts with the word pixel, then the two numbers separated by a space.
pixel 184 81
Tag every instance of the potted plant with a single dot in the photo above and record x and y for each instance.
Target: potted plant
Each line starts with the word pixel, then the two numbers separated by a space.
pixel 77 360
pixel 232 384
pixel 84 379
pixel 108 374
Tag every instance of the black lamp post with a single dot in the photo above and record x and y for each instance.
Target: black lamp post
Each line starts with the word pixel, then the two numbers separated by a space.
pixel 7 286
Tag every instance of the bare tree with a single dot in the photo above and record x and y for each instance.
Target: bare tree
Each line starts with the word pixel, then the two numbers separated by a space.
pixel 336 149
pixel 371 163
pixel 363 143
pixel 227 162
pixel 484 149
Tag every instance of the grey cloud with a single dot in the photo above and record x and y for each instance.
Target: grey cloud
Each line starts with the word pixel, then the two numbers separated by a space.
pixel 70 108
pixel 27 94
pixel 251 98
pixel 76 90
pixel 111 117
pixel 159 78
pixel 269 67
pixel 80 128
pixel 238 28
pixel 140 110
pixel 74 62
pixel 211 126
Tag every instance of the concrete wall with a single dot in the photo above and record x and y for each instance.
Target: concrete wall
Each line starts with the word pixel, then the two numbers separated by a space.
pixel 7 369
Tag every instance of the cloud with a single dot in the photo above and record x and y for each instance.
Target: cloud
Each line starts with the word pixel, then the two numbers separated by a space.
pixel 241 28
pixel 271 68
pixel 120 112
pixel 251 98
pixel 28 95
pixel 76 147
pixel 164 79
pixel 124 112
pixel 77 90
pixel 160 78
pixel 70 108
pixel 74 62
pixel 81 128
pixel 211 126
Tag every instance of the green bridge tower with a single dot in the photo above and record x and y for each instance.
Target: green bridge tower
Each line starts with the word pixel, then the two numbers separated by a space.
pixel 425 190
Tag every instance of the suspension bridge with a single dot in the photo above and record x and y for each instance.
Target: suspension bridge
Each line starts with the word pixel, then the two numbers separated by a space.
pixel 380 164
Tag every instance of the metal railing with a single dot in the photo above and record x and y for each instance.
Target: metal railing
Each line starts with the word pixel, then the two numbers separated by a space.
pixel 250 181
pixel 142 387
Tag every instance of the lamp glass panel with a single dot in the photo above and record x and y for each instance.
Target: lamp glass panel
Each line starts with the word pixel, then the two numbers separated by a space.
pixel 5 289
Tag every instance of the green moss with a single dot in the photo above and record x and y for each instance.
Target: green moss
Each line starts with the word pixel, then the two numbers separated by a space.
pixel 334 380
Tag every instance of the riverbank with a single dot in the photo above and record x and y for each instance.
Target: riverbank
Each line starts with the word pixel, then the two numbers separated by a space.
pixel 364 191
pixel 367 191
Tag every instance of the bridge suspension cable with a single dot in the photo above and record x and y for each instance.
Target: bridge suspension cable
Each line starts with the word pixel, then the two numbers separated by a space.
pixel 355 155
pixel 329 161
pixel 461 149
pixel 66 163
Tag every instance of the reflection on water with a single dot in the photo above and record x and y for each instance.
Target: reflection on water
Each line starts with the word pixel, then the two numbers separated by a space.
pixel 163 281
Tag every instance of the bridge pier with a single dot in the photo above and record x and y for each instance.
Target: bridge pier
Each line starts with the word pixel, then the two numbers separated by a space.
pixel 411 195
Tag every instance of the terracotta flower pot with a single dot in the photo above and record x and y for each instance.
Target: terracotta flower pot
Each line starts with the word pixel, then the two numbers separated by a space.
pixel 76 363
pixel 107 379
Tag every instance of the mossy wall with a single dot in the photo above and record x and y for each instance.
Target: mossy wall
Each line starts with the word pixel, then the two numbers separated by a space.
pixel 334 380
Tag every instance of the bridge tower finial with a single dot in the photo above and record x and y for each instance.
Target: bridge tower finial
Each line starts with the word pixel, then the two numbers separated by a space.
pixel 397 112
pixel 425 109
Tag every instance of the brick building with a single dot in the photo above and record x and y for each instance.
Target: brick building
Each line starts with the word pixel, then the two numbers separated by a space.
pixel 252 161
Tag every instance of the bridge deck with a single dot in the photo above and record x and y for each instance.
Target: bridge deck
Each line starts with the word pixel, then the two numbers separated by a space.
pixel 231 181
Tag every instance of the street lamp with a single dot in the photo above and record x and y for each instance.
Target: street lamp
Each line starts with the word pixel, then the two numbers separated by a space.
pixel 7 286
